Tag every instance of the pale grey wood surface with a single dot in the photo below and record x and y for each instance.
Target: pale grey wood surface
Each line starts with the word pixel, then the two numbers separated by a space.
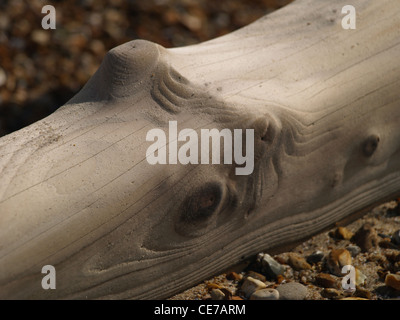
pixel 77 193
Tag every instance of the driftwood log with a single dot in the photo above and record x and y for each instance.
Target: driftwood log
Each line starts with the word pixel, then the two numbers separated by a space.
pixel 77 191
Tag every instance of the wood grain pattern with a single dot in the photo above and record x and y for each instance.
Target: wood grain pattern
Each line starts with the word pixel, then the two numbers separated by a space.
pixel 77 193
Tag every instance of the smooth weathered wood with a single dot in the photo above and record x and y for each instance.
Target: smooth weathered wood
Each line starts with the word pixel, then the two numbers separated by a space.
pixel 77 193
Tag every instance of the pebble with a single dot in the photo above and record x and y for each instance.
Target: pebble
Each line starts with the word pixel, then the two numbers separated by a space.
pixel 292 291
pixel 298 262
pixel 228 294
pixel 280 278
pixel 315 257
pixel 337 259
pixel 256 275
pixel 265 294
pixel 212 285
pixel 360 277
pixel 343 233
pixel 354 250
pixel 250 285
pixel 366 237
pixel 3 77
pixel 396 237
pixel 305 276
pixel 217 294
pixel 271 267
pixel 393 281
pixel 326 280
pixel 234 276
pixel 363 293
pixel 331 293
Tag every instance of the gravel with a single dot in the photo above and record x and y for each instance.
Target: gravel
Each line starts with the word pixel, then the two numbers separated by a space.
pixel 376 269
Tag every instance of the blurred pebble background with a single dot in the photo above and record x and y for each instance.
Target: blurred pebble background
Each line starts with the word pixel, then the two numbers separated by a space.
pixel 40 70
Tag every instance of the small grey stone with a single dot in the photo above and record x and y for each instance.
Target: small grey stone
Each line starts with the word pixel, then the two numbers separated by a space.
pixel 265 294
pixel 217 294
pixel 271 267
pixel 354 250
pixel 292 291
pixel 315 257
pixel 396 237
pixel 251 285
